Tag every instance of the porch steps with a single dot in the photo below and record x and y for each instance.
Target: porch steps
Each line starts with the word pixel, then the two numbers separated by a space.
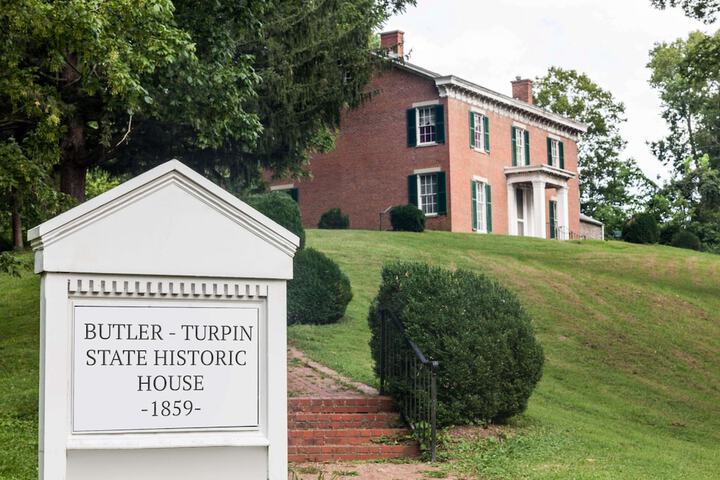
pixel 344 429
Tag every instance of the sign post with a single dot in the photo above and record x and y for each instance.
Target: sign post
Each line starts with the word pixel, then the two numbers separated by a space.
pixel 163 334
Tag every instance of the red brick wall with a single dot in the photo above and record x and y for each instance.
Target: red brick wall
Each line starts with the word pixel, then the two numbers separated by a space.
pixel 367 172
pixel 466 163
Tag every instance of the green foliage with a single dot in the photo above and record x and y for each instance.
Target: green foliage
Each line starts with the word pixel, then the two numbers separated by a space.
pixel 407 218
pixel 686 74
pixel 99 181
pixel 334 219
pixel 489 359
pixel 319 292
pixel 11 264
pixel 610 187
pixel 705 10
pixel 685 239
pixel 641 228
pixel 281 208
pixel 314 59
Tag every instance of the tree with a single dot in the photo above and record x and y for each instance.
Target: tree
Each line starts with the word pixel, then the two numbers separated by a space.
pixel 314 59
pixel 107 65
pixel 704 10
pixel 610 187
pixel 686 73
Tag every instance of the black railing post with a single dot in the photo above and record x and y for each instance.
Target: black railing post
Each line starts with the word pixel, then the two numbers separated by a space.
pixel 433 410
pixel 383 352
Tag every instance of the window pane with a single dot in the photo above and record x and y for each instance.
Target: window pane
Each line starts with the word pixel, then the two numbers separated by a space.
pixel 428 193
pixel 480 208
pixel 479 137
pixel 426 124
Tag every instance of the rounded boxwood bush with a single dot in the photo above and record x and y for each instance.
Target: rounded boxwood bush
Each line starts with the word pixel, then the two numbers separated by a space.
pixel 685 239
pixel 334 219
pixel 490 361
pixel 281 208
pixel 642 228
pixel 407 218
pixel 319 292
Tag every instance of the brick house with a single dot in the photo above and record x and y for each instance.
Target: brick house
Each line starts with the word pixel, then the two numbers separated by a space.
pixel 473 160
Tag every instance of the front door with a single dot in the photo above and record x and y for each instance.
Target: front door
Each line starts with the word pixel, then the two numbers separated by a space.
pixel 553 219
pixel 520 204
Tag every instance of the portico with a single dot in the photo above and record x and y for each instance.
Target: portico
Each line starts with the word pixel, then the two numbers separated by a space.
pixel 528 205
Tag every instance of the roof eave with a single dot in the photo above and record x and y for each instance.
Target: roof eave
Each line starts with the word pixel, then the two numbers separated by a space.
pixel 455 82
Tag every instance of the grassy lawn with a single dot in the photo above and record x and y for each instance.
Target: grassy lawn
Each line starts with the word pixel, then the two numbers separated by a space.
pixel 632 337
pixel 19 330
pixel 631 387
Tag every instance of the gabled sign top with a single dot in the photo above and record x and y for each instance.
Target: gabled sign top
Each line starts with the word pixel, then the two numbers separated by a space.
pixel 167 221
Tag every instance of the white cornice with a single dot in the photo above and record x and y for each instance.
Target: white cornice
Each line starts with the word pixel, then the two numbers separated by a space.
pixel 529 173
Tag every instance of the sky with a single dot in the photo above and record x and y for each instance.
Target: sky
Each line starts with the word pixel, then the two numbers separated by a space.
pixel 491 42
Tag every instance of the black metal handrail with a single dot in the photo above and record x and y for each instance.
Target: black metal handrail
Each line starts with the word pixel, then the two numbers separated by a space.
pixel 410 377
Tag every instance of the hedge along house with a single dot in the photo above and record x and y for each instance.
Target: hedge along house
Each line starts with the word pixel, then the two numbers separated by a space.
pixel 471 159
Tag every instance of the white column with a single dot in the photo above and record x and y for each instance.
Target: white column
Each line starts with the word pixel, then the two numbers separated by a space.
pixel 563 216
pixel 512 209
pixel 538 209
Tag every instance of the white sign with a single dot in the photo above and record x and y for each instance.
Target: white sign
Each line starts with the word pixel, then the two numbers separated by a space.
pixel 154 367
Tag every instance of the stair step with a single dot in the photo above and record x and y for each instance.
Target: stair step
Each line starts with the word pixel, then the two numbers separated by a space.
pixel 327 453
pixel 311 420
pixel 344 436
pixel 341 405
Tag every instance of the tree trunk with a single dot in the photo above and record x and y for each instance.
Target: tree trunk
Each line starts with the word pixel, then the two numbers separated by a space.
pixel 72 179
pixel 73 165
pixel 17 233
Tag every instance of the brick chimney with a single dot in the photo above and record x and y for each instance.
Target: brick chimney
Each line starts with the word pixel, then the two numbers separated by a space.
pixel 522 89
pixel 393 43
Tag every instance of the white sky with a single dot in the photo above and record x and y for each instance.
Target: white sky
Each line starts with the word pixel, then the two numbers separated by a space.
pixel 490 42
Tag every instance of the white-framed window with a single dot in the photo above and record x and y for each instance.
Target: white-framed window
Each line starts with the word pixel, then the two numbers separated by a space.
pixel 480 205
pixel 479 132
pixel 426 125
pixel 520 146
pixel 554 153
pixel 427 188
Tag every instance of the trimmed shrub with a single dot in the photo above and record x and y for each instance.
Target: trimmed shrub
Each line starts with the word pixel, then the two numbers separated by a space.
pixel 319 292
pixel 281 208
pixel 334 219
pixel 490 361
pixel 407 218
pixel 685 239
pixel 642 228
pixel 667 232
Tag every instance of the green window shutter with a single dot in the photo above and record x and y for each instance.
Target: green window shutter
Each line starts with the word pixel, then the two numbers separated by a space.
pixel 439 124
pixel 472 129
pixel 553 207
pixel 486 130
pixel 562 154
pixel 527 147
pixel 295 194
pixel 411 128
pixel 549 145
pixel 514 147
pixel 473 204
pixel 412 190
pixel 488 206
pixel 442 195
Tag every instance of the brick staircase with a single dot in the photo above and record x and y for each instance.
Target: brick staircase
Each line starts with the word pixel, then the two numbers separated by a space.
pixel 346 428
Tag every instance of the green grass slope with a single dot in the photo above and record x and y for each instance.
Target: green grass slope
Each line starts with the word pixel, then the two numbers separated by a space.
pixel 631 387
pixel 631 334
